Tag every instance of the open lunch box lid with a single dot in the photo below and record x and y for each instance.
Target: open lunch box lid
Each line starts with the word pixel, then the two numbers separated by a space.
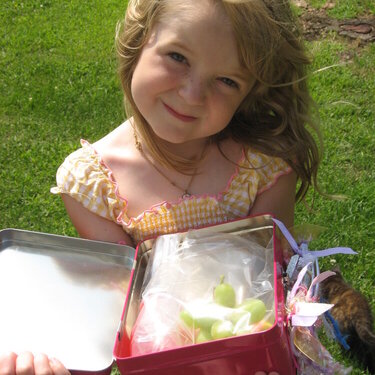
pixel 77 300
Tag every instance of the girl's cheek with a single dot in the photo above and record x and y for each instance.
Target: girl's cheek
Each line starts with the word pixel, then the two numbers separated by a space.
pixel 174 74
pixel 164 78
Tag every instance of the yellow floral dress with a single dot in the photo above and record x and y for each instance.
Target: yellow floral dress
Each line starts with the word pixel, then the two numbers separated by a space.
pixel 86 178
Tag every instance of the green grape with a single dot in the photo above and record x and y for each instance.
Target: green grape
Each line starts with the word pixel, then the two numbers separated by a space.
pixel 224 294
pixel 187 318
pixel 222 329
pixel 255 307
pixel 203 336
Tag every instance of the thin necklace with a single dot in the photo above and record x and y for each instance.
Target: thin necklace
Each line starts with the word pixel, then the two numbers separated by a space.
pixel 186 193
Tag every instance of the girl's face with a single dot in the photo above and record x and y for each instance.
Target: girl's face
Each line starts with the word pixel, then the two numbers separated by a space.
pixel 188 81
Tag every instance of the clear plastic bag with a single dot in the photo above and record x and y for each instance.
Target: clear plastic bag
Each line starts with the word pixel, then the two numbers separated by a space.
pixel 180 292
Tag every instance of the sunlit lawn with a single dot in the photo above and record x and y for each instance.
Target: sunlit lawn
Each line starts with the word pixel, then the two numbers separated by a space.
pixel 58 84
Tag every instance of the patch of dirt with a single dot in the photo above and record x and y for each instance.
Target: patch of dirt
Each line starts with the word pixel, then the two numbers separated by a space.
pixel 317 24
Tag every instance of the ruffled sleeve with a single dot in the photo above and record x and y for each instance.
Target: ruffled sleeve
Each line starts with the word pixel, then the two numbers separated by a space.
pixel 258 173
pixel 255 174
pixel 269 170
pixel 84 177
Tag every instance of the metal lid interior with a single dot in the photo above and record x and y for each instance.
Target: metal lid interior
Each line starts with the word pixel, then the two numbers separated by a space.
pixel 62 296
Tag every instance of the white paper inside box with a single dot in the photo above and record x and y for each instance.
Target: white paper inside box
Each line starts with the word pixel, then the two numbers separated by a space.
pixel 207 301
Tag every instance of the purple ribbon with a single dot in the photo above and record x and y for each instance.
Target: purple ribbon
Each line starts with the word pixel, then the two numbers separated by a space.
pixel 298 316
pixel 316 253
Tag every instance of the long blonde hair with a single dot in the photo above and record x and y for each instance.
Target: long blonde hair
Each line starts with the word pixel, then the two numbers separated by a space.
pixel 276 116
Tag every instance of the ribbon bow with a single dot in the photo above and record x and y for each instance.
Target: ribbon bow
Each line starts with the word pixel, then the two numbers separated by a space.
pixel 302 306
pixel 303 250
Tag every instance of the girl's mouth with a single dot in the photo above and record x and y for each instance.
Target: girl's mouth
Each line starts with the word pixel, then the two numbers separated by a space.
pixel 180 116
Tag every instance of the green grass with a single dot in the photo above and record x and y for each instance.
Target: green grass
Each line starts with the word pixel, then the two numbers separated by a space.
pixel 58 84
pixel 345 94
pixel 346 8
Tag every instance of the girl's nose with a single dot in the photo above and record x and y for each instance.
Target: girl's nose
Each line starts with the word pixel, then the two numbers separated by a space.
pixel 193 90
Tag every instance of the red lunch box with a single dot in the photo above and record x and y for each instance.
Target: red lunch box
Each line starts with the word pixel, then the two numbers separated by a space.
pixel 78 300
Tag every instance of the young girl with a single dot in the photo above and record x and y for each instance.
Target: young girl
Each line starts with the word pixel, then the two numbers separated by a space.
pixel 218 112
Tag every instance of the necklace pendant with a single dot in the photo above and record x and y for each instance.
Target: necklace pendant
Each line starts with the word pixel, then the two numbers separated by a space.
pixel 186 194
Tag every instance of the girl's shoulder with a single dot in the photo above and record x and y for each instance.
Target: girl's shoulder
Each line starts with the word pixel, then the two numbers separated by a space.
pixel 261 171
pixel 89 161
pixel 118 139
pixel 117 150
pixel 258 160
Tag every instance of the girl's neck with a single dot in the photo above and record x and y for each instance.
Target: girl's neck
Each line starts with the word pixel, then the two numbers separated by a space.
pixel 189 150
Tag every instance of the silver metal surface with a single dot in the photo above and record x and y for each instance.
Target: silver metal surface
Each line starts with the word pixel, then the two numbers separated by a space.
pixel 62 296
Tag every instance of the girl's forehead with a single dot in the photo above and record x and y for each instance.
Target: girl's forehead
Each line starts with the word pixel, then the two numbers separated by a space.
pixel 205 15
pixel 192 10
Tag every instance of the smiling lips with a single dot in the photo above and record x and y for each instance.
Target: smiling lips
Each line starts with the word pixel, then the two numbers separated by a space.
pixel 179 116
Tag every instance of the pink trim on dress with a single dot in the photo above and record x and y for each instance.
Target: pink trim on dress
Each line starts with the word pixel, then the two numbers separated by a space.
pixel 158 206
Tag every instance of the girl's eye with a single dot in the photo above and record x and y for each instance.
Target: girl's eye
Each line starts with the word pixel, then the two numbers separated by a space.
pixel 177 57
pixel 229 82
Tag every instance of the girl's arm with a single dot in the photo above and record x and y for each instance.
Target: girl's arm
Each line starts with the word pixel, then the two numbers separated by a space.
pixel 278 200
pixel 92 226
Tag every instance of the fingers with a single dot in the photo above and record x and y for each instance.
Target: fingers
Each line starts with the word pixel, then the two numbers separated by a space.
pixel 8 363
pixel 41 365
pixel 28 364
pixel 57 367
pixel 48 366
pixel 25 364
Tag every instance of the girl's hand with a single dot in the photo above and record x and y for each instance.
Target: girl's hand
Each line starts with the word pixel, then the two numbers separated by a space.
pixel 28 364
